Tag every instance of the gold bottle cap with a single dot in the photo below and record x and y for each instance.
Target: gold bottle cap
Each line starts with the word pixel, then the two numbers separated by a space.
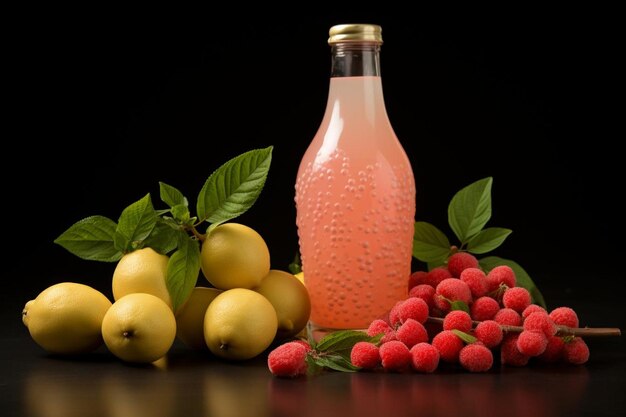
pixel 355 33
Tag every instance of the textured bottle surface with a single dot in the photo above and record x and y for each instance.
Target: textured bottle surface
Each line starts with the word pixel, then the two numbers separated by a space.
pixel 355 199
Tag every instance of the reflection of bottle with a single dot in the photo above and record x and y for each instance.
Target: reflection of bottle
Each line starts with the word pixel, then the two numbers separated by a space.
pixel 355 193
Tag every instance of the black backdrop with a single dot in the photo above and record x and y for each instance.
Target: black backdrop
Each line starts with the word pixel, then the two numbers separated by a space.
pixel 102 109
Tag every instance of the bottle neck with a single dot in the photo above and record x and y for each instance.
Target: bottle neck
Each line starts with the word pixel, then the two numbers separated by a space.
pixel 355 60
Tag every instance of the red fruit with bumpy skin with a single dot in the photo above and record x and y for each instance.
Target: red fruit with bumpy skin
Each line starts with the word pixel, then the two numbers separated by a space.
pixel 554 350
pixel 436 275
pixel 576 352
pixel 424 357
pixel 476 280
pixel 395 356
pixel 411 308
pixel 448 344
pixel 508 317
pixel 500 275
pixel 533 308
pixel 484 308
pixel 564 316
pixel 381 326
pixel 412 332
pixel 304 343
pixel 510 354
pixel 459 262
pixel 425 292
pixel 365 355
pixel 489 333
pixel 532 343
pixel 516 298
pixel 459 320
pixel 288 360
pixel 476 358
pixel 541 322
pixel 417 278
pixel 451 289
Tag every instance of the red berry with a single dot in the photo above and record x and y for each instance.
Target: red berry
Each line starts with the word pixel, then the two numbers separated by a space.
pixel 395 356
pixel 451 289
pixel 459 262
pixel 554 350
pixel 510 354
pixel 288 360
pixel 541 322
pixel 417 278
pixel 448 344
pixel 489 333
pixel 424 357
pixel 425 292
pixel 436 275
pixel 380 326
pixel 508 317
pixel 476 358
pixel 476 280
pixel 516 298
pixel 484 308
pixel 532 343
pixel 412 332
pixel 533 308
pixel 365 355
pixel 459 320
pixel 500 275
pixel 576 351
pixel 411 308
pixel 564 316
pixel 304 343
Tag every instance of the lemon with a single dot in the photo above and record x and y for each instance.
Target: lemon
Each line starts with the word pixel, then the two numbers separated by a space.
pixel 139 328
pixel 289 298
pixel 66 318
pixel 300 276
pixel 190 317
pixel 234 256
pixel 141 271
pixel 239 324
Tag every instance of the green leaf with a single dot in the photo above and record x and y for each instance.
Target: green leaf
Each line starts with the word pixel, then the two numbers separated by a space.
pixel 470 209
pixel 234 187
pixel 171 195
pixel 136 223
pixel 435 264
pixel 181 213
pixel 341 340
pixel 459 305
pixel 295 267
pixel 429 243
pixel 487 240
pixel 521 276
pixel 91 238
pixel 467 338
pixel 312 367
pixel 182 270
pixel 336 363
pixel 163 238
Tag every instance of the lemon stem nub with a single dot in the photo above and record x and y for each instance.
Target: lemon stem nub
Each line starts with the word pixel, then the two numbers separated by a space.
pixel 127 333
pixel 223 346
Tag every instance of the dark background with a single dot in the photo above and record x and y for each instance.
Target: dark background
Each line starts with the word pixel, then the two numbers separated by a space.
pixel 104 107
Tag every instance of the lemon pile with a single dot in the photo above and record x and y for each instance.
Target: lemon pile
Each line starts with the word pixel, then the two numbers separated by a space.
pixel 247 307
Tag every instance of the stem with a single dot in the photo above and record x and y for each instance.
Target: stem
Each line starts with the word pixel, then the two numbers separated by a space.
pixel 562 330
pixel 197 234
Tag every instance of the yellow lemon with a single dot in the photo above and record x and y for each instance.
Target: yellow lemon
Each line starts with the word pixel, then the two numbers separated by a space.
pixel 141 271
pixel 239 324
pixel 139 328
pixel 66 318
pixel 190 317
pixel 289 298
pixel 300 276
pixel 234 256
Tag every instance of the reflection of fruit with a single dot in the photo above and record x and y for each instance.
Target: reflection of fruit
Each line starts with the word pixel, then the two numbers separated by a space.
pixel 234 256
pixel 139 328
pixel 290 300
pixel 141 271
pixel 130 397
pixel 239 324
pixel 66 318
pixel 190 317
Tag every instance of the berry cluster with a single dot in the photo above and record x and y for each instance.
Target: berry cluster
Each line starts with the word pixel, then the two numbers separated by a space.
pixel 459 315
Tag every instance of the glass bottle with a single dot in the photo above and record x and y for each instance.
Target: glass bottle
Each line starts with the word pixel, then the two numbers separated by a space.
pixel 355 194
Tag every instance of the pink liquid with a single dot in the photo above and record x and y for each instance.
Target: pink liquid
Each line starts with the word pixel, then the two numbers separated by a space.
pixel 355 199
